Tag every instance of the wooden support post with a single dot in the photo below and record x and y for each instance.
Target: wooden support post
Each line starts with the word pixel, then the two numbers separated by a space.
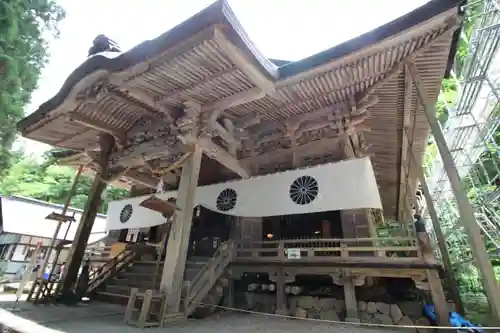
pixel 129 311
pixel 465 209
pixel 281 301
pixel 435 286
pixel 450 276
pixel 351 305
pixel 178 241
pixel 146 305
pixel 230 292
pixel 54 238
pixel 77 251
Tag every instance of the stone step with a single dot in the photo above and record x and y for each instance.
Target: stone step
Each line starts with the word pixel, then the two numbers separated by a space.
pixel 112 298
pixel 118 289
pixel 149 266
pixel 136 275
pixel 140 267
pixel 138 283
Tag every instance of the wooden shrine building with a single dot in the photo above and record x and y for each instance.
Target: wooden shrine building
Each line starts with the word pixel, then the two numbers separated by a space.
pixel 200 106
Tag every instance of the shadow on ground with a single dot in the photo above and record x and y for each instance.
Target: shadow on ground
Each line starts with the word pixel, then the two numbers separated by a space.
pixel 103 317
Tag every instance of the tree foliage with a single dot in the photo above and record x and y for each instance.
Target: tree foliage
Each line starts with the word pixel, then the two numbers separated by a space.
pixel 25 27
pixel 42 179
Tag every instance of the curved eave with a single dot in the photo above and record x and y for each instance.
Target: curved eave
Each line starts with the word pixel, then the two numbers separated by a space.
pixel 220 14
pixel 414 18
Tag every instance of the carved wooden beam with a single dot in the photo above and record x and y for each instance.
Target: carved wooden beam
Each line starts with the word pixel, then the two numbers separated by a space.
pixel 246 122
pixel 147 150
pixel 336 117
pixel 142 178
pixel 217 153
pixel 306 149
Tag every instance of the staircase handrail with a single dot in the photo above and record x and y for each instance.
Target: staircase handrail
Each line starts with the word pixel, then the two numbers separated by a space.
pixel 111 267
pixel 217 254
pixel 209 273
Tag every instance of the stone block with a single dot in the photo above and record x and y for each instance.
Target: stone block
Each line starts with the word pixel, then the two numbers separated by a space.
pixel 361 306
pixel 300 313
pixel 365 317
pixel 329 314
pixel 325 303
pixel 305 302
pixel 371 307
pixel 412 309
pixel 405 321
pixel 395 313
pixel 383 308
pixel 381 318
pixel 313 313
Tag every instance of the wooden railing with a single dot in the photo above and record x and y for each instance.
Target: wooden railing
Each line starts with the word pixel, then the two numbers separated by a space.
pixel 196 289
pixel 323 249
pixel 110 267
pixel 44 290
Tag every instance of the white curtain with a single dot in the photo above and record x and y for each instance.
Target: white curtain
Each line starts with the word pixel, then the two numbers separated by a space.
pixel 335 186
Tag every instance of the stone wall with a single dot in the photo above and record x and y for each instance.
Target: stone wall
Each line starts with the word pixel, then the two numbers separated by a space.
pixel 404 313
pixel 325 308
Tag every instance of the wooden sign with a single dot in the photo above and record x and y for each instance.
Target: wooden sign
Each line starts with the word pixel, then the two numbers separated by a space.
pixel 293 253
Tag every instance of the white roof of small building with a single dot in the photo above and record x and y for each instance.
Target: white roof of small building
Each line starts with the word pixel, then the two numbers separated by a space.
pixel 25 216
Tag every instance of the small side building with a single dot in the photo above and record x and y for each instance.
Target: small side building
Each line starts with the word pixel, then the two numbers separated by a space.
pixel 23 225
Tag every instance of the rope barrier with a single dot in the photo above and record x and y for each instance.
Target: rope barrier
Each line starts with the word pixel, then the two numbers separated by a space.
pixel 232 309
pixel 347 323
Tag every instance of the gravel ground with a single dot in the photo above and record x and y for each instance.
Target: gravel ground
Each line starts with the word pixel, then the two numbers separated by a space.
pixel 108 318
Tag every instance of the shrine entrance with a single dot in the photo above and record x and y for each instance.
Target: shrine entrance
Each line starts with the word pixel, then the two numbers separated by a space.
pixel 209 230
pixel 313 225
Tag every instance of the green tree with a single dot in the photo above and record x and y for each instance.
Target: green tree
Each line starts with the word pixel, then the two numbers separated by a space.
pixel 25 26
pixel 42 179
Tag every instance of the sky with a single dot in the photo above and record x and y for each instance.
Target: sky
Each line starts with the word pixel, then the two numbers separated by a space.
pixel 281 29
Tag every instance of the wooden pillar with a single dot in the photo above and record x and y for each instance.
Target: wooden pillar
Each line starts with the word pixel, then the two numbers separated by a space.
pixel 450 276
pixel 435 286
pixel 178 240
pixel 281 301
pixel 229 300
pixel 351 305
pixel 465 209
pixel 87 219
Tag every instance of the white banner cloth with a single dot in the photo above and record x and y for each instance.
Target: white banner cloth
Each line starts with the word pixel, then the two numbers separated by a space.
pixel 335 186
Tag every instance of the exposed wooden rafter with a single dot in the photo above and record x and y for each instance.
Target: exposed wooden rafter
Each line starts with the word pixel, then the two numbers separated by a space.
pixel 396 69
pixel 405 150
pixel 245 64
pixel 99 126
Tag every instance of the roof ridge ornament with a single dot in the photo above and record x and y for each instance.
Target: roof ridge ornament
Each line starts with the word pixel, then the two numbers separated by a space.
pixel 102 43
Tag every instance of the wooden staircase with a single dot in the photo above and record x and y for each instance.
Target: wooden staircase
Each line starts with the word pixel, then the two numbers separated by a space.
pixel 140 275
pixel 201 276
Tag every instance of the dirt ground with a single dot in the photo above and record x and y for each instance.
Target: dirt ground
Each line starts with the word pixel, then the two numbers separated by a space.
pixel 102 317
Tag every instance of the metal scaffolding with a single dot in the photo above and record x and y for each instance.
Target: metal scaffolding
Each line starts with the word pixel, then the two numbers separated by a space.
pixel 470 130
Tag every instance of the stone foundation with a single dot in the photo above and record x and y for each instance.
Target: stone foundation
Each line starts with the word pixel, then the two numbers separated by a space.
pixel 404 313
